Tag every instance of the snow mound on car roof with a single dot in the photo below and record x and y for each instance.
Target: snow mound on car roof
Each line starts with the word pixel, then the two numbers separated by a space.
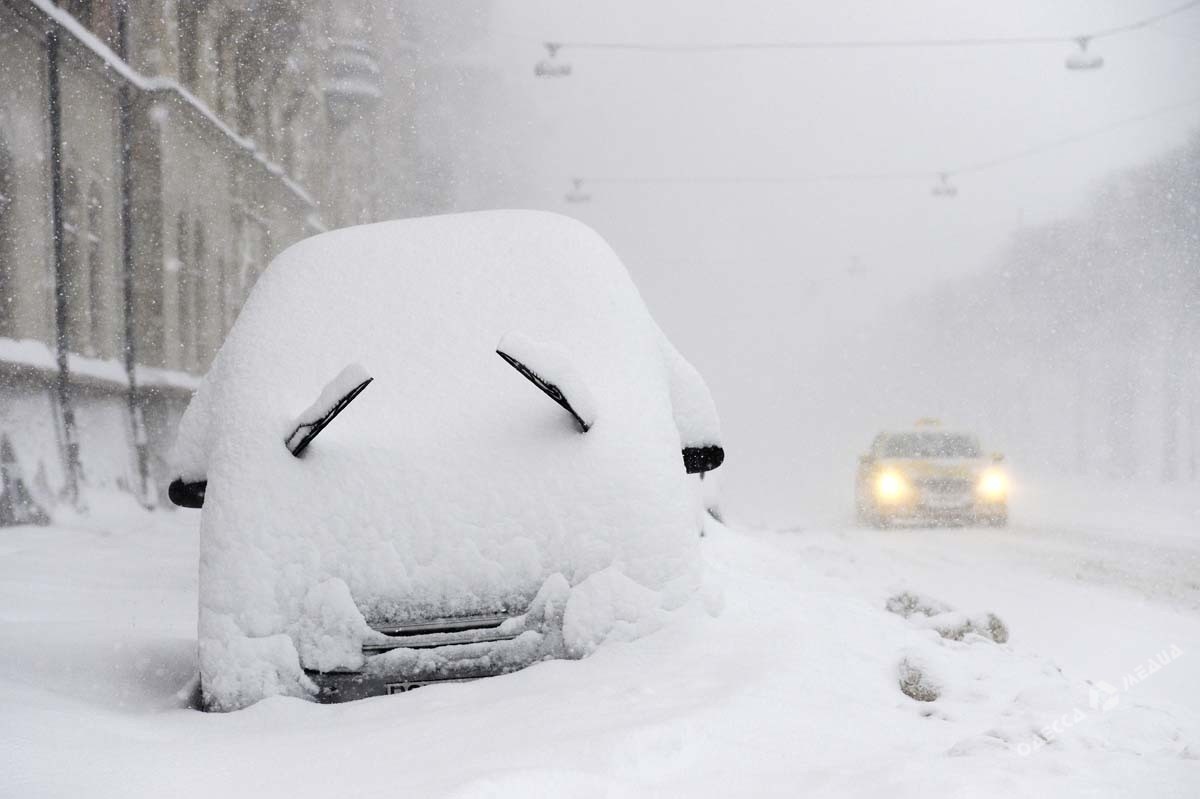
pixel 451 485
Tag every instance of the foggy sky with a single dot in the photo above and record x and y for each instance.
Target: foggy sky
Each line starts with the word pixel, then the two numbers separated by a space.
pixel 753 283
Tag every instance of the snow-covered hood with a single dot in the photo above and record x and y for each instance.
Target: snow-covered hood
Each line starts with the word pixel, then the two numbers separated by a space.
pixel 451 485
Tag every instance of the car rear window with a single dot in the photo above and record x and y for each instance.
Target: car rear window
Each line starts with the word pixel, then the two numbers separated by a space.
pixel 929 445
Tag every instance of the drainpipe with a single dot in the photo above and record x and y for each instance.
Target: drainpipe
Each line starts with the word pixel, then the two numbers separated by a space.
pixel 125 117
pixel 62 334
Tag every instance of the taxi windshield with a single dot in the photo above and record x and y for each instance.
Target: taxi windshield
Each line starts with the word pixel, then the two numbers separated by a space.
pixel 929 445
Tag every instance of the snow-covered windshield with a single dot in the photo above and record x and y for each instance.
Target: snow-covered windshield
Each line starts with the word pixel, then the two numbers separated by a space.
pixel 928 445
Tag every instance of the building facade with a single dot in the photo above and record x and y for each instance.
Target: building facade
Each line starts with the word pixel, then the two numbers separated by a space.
pixel 154 156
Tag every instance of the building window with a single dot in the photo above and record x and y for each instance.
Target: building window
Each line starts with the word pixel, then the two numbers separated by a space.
pixel 225 53
pixel 95 272
pixel 75 244
pixel 183 292
pixel 290 132
pixel 194 315
pixel 83 256
pixel 8 265
pixel 244 260
pixel 252 245
pixel 187 32
pixel 198 266
pixel 221 317
pixel 80 9
pixel 98 16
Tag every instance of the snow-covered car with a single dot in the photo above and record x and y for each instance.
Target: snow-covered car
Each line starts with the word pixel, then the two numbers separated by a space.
pixel 387 503
pixel 928 474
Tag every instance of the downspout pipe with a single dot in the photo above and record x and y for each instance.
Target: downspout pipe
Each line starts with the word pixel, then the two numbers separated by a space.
pixel 61 300
pixel 125 121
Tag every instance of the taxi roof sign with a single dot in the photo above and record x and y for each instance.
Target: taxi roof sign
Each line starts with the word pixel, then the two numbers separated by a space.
pixel 927 421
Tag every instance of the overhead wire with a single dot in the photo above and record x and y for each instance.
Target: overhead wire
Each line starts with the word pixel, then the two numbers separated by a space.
pixel 942 175
pixel 969 167
pixel 1075 138
pixel 846 44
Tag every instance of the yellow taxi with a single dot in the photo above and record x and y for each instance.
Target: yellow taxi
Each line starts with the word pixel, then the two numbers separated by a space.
pixel 930 475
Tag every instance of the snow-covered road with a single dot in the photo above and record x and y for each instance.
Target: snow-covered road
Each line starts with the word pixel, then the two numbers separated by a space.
pixel 1095 580
pixel 791 689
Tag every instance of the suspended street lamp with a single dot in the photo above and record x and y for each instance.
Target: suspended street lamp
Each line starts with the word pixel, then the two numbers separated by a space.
pixel 577 194
pixel 944 188
pixel 1082 59
pixel 551 67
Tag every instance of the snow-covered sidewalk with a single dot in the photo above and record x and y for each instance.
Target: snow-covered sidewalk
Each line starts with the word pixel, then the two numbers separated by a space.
pixel 793 689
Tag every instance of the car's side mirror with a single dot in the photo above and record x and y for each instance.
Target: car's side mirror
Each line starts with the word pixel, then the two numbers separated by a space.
pixel 997 457
pixel 695 413
pixel 187 494
pixel 866 460
pixel 699 460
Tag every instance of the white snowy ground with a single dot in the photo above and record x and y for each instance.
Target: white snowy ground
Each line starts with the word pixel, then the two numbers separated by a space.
pixel 792 690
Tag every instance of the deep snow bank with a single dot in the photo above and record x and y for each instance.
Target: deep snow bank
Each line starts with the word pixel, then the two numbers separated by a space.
pixel 792 690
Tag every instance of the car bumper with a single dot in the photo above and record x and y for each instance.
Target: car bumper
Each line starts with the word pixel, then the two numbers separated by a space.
pixel 943 516
pixel 414 662
pixel 921 513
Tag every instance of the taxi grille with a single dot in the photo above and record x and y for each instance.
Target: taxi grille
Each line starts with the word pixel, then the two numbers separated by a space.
pixel 945 485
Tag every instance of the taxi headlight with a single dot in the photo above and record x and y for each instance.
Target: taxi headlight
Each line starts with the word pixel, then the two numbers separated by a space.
pixel 890 486
pixel 993 484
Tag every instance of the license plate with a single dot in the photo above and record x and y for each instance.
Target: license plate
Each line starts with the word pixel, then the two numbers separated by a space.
pixel 412 685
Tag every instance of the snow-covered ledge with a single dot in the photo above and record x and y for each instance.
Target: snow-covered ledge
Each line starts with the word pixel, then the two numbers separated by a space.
pixel 30 355
pixel 37 357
